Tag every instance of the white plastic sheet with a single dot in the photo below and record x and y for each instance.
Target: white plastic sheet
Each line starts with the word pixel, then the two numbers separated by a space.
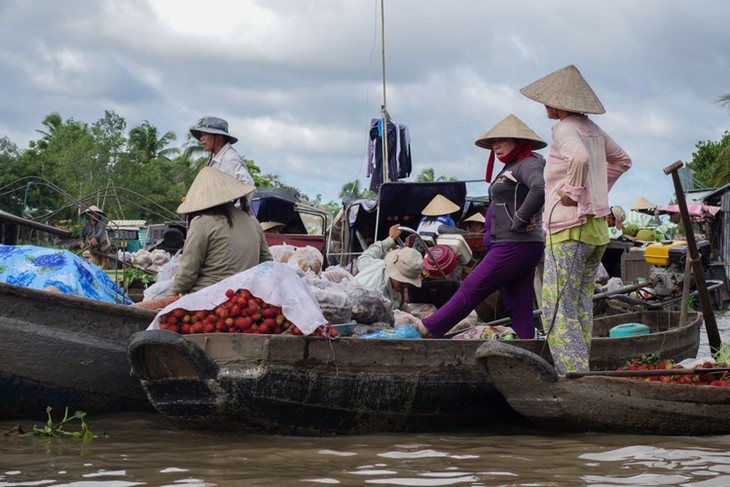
pixel 275 283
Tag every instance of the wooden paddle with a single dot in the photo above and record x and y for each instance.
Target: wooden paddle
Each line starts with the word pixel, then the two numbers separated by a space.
pixel 644 373
pixel 713 335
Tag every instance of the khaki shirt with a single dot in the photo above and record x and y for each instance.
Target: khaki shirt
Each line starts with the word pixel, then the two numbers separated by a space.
pixel 214 250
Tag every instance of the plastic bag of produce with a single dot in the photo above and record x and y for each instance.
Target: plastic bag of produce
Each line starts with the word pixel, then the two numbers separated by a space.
pixel 282 252
pixel 332 298
pixel 273 282
pixel 337 273
pixel 306 259
pixel 370 306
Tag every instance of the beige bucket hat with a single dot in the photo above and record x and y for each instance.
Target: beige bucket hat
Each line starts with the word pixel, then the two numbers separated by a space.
pixel 404 265
pixel 565 89
pixel 510 128
pixel 213 187
pixel 440 205
pixel 271 224
pixel 476 217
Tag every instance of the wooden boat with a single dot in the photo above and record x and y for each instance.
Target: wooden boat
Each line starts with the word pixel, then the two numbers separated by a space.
pixel 64 351
pixel 312 386
pixel 604 403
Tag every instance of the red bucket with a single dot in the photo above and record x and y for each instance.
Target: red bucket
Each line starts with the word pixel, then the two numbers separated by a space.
pixel 445 258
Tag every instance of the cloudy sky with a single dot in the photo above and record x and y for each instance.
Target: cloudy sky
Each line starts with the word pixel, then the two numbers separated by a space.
pixel 299 80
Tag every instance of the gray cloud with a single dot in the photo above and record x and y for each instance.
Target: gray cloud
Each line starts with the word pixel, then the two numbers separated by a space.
pixel 299 80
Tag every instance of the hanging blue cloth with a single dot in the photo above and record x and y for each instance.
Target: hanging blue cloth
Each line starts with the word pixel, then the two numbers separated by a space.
pixel 40 268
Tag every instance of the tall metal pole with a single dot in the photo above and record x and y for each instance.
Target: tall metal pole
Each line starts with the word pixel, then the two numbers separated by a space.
pixel 713 335
pixel 383 109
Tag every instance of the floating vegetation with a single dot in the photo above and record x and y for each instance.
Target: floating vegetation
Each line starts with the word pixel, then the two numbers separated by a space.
pixel 52 429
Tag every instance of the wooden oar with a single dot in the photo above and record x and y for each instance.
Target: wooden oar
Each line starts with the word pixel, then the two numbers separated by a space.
pixel 713 335
pixel 644 373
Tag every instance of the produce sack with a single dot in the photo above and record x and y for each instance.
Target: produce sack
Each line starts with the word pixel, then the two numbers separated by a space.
pixel 281 252
pixel 370 306
pixel 273 282
pixel 306 259
pixel 331 297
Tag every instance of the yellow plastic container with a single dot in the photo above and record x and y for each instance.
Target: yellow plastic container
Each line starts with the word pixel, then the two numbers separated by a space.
pixel 658 253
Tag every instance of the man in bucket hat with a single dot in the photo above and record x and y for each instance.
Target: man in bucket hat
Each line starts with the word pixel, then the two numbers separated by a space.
pixel 212 132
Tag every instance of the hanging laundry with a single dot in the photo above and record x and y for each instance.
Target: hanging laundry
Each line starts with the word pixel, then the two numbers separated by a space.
pixel 399 152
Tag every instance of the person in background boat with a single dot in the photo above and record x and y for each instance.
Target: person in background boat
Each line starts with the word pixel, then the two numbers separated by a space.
pixel 212 132
pixel 436 214
pixel 474 223
pixel 390 271
pixel 513 236
pixel 614 220
pixel 272 227
pixel 222 240
pixel 583 165
pixel 94 236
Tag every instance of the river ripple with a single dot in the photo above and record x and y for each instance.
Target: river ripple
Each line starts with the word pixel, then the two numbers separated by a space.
pixel 145 449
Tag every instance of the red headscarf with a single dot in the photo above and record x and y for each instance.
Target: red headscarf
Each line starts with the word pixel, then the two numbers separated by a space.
pixel 521 151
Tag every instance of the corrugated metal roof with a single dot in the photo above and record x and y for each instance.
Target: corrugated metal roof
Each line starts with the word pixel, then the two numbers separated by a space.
pixel 125 224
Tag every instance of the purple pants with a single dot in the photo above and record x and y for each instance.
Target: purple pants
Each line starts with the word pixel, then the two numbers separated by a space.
pixel 508 267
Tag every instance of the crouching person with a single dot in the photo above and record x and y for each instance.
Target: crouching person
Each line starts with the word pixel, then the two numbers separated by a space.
pixel 388 270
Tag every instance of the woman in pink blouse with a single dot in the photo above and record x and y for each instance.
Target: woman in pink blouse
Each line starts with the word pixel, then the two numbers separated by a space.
pixel 582 167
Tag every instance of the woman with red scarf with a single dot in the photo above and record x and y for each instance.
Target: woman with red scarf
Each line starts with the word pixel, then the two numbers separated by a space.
pixel 513 235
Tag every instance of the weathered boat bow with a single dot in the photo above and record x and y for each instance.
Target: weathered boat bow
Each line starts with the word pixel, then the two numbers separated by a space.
pixel 311 386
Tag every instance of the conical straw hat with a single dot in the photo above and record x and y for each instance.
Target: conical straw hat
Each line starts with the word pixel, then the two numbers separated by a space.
pixel 213 187
pixel 510 128
pixel 440 205
pixel 476 217
pixel 270 224
pixel 565 89
pixel 643 204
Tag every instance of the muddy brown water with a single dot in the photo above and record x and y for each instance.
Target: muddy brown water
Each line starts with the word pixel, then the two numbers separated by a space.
pixel 145 449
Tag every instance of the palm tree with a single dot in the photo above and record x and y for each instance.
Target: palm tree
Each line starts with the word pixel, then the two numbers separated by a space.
pixel 352 191
pixel 724 101
pixel 143 140
pixel 52 123
pixel 428 175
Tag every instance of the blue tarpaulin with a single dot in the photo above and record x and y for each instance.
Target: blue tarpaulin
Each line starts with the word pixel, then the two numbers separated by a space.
pixel 41 268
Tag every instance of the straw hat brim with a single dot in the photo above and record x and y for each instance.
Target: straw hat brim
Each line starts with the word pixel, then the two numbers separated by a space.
pixel 440 205
pixel 510 128
pixel 94 209
pixel 211 188
pixel 196 131
pixel 271 224
pixel 643 204
pixel 476 217
pixel 565 89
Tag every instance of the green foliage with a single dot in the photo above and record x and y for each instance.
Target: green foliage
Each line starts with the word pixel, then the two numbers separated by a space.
pixel 710 164
pixel 53 429
pixel 428 175
pixel 133 276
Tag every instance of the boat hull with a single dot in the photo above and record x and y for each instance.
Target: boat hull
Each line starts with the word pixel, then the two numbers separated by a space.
pixel 532 388
pixel 312 386
pixel 66 351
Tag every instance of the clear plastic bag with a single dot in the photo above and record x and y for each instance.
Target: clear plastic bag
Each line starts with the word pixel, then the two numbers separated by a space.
pixel 405 332
pixel 306 259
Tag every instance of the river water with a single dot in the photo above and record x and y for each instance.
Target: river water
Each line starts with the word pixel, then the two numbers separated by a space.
pixel 145 449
